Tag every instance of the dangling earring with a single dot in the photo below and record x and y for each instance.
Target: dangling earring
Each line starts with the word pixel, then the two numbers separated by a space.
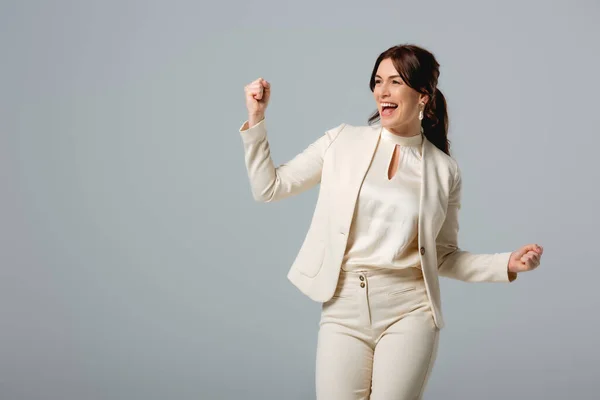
pixel 421 113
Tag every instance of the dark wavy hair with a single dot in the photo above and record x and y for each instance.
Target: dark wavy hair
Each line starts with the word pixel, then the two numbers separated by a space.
pixel 419 69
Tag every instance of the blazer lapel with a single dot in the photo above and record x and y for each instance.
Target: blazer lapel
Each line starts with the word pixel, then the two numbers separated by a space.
pixel 362 153
pixel 428 191
pixel 352 165
pixel 433 200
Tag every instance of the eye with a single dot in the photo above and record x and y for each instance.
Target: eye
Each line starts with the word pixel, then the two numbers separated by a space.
pixel 399 83
pixel 377 81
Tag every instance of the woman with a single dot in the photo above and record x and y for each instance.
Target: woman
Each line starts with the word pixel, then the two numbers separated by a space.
pixel 384 229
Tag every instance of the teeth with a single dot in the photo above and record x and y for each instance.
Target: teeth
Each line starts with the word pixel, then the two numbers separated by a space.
pixel 388 105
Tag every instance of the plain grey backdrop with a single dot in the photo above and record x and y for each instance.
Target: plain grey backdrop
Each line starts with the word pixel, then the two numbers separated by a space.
pixel 134 263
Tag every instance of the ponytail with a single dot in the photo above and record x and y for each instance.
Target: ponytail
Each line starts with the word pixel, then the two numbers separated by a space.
pixel 435 121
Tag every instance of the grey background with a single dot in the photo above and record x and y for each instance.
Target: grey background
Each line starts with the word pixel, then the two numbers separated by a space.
pixel 134 263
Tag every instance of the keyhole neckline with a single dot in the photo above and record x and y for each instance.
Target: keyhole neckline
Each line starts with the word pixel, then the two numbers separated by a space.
pixel 415 140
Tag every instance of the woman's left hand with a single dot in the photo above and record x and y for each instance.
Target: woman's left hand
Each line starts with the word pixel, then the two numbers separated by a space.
pixel 527 258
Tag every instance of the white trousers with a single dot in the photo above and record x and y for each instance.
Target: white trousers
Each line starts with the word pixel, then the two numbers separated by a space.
pixel 377 337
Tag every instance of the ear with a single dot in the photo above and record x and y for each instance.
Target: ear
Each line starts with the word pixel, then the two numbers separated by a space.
pixel 423 98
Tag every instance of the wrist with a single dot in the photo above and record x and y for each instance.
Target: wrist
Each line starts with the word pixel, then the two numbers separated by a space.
pixel 254 119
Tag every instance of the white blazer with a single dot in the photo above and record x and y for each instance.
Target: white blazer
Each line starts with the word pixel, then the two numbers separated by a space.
pixel 339 160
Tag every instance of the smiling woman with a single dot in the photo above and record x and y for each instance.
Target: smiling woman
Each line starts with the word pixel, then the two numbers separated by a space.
pixel 399 104
pixel 404 85
pixel 384 229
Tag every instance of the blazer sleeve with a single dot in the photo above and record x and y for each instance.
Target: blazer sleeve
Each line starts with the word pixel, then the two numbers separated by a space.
pixel 459 264
pixel 270 183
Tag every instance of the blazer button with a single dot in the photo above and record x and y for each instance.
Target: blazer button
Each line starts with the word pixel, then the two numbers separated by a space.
pixel 422 250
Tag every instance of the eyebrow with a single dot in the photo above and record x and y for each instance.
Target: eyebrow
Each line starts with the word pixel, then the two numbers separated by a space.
pixel 391 76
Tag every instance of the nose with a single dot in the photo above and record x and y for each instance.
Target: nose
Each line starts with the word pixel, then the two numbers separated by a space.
pixel 384 90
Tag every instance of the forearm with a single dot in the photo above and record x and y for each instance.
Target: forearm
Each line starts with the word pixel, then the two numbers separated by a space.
pixel 469 267
pixel 254 119
pixel 270 183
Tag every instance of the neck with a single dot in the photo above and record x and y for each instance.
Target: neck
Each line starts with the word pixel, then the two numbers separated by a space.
pixel 406 130
pixel 414 140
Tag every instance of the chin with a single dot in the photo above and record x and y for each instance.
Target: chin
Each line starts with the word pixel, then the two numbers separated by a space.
pixel 390 124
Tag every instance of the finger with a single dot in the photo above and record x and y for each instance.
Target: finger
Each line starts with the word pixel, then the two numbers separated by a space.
pixel 253 95
pixel 260 88
pixel 528 256
pixel 536 259
pixel 262 82
pixel 533 263
pixel 255 90
pixel 252 88
pixel 526 260
pixel 530 247
pixel 523 250
pixel 529 264
pixel 520 253
pixel 255 84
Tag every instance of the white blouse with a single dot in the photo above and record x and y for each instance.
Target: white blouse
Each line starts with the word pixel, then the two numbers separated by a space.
pixel 384 229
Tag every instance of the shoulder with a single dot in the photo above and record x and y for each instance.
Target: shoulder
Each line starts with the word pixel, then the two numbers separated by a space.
pixel 362 128
pixel 349 129
pixel 345 131
pixel 450 162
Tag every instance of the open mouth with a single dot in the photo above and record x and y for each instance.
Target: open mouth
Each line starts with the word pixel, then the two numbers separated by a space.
pixel 388 109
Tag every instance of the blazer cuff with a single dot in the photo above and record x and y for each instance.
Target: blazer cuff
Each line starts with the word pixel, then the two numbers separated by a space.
pixel 254 133
pixel 500 266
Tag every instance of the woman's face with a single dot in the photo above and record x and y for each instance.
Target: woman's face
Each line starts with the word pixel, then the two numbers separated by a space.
pixel 397 103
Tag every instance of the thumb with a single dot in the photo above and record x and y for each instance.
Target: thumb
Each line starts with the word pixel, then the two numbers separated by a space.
pixel 528 247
